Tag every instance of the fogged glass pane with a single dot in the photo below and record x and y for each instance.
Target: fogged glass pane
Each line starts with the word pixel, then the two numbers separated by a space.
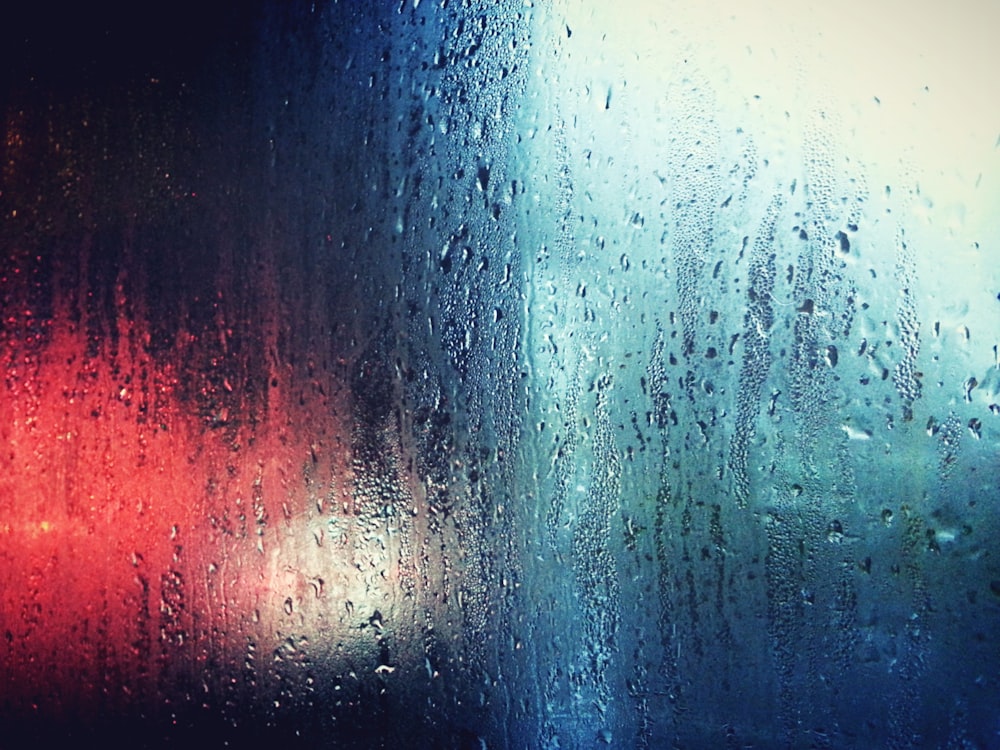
pixel 501 375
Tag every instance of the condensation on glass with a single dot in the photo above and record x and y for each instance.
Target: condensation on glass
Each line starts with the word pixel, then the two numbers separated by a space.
pixel 491 375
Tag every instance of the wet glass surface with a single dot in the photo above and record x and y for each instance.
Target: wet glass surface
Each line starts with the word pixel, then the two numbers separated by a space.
pixel 500 375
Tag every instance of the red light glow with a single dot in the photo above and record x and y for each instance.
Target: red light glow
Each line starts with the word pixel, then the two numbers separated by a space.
pixel 147 539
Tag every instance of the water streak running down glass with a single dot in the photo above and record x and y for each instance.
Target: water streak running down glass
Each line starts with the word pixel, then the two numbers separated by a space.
pixel 501 374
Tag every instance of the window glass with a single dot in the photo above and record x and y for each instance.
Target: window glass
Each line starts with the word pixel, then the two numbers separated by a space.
pixel 501 374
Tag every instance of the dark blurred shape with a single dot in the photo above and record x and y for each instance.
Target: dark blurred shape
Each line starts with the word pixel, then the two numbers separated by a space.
pixel 93 46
